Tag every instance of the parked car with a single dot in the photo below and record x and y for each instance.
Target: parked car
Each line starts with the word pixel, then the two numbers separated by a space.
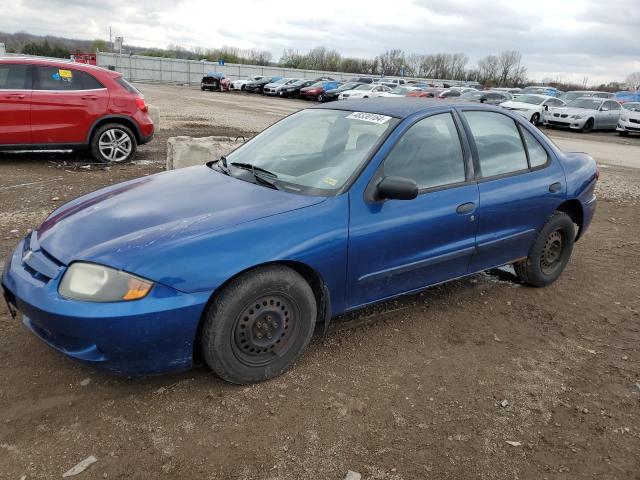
pixel 629 119
pixel 211 82
pixel 394 81
pixel 627 96
pixel 512 91
pixel 328 210
pixel 293 90
pixel 399 91
pixel 532 106
pixel 361 80
pixel 333 94
pixel 371 90
pixel 275 87
pixel 451 93
pixel 573 94
pixel 316 91
pixel 429 92
pixel 489 97
pixel 585 114
pixel 258 85
pixel 550 91
pixel 242 83
pixel 57 105
pixel 225 85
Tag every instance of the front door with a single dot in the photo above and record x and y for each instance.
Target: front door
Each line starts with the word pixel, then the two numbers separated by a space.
pixel 396 246
pixel 15 104
pixel 66 103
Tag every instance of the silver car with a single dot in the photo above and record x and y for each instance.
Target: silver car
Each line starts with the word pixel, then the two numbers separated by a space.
pixel 586 114
pixel 573 94
pixel 275 87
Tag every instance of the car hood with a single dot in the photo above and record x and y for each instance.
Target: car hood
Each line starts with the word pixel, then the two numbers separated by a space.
pixel 528 106
pixel 630 114
pixel 116 225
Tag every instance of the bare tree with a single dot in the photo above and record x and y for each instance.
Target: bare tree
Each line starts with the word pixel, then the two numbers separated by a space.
pixel 633 81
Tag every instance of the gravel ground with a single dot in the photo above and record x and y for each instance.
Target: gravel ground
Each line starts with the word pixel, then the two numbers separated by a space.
pixel 430 386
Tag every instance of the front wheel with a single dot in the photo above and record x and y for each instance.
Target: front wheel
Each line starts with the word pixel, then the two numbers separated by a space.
pixel 550 252
pixel 258 325
pixel 588 126
pixel 623 133
pixel 320 98
pixel 113 143
pixel 535 118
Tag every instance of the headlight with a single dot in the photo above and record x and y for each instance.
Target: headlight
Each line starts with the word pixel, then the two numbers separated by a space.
pixel 578 116
pixel 95 283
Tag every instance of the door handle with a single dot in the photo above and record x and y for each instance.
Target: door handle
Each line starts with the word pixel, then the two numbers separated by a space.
pixel 16 95
pixel 466 208
pixel 89 98
pixel 555 187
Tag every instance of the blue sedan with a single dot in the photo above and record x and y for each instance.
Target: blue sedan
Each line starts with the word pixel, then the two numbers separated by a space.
pixel 330 209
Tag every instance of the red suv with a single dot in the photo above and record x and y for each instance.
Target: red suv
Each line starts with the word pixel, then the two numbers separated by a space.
pixel 47 104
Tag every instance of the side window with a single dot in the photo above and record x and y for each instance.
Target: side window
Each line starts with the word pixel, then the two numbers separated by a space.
pixel 554 102
pixel 537 154
pixel 14 77
pixel 500 148
pixel 428 153
pixel 60 78
pixel 613 105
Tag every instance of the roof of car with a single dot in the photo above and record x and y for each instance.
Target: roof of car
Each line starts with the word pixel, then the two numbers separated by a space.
pixel 394 107
pixel 57 62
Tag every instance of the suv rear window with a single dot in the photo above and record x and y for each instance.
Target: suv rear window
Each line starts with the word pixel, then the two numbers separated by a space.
pixel 126 85
pixel 63 78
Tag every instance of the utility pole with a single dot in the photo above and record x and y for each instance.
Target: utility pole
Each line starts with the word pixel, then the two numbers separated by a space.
pixel 110 40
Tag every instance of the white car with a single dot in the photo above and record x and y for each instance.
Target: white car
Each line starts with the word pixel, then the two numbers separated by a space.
pixel 532 107
pixel 399 91
pixel 369 90
pixel 240 84
pixel 629 119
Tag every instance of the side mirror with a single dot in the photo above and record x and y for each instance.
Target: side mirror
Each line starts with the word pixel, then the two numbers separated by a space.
pixel 546 107
pixel 604 109
pixel 397 188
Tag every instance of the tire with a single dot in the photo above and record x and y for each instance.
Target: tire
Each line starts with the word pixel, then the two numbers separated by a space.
pixel 320 98
pixel 623 133
pixel 549 253
pixel 103 142
pixel 258 325
pixel 242 88
pixel 202 89
pixel 588 126
pixel 535 118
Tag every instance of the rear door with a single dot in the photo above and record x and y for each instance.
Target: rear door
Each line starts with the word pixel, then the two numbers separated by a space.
pixel 614 113
pixel 520 185
pixel 65 105
pixel 15 104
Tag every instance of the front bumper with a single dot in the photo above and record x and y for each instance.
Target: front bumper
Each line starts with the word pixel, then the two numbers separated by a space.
pixel 150 336
pixel 565 122
pixel 628 126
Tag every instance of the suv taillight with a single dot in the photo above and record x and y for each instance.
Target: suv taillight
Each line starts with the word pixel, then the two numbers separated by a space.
pixel 141 105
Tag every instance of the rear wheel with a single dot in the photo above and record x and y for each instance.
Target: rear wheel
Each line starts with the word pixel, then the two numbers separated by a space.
pixel 113 143
pixel 550 252
pixel 588 126
pixel 320 97
pixel 535 118
pixel 258 325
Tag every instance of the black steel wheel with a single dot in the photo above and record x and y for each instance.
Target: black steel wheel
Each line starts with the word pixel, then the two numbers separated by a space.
pixel 550 252
pixel 258 325
pixel 588 126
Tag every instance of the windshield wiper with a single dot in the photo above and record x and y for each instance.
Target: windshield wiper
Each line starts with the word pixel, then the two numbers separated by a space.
pixel 253 168
pixel 256 174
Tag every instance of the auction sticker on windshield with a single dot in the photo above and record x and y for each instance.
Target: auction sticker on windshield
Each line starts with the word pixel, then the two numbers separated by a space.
pixel 369 117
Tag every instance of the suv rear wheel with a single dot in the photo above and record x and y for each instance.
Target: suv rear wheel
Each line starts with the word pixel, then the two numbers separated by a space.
pixel 113 143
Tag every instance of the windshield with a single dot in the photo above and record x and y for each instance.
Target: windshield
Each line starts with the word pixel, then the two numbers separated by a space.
pixel 348 86
pixel 313 151
pixel 573 95
pixel 401 90
pixel 318 84
pixel 281 81
pixel 535 90
pixel 632 106
pixel 532 99
pixel 588 103
pixel 471 95
pixel 365 87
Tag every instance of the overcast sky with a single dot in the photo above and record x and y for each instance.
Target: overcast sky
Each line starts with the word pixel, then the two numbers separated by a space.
pixel 565 39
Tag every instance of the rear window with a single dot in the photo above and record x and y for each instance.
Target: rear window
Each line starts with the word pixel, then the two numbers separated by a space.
pixel 126 85
pixel 64 78
pixel 14 77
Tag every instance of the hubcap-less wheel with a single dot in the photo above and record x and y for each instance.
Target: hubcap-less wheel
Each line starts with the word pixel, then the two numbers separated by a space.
pixel 263 329
pixel 551 256
pixel 115 145
pixel 320 97
pixel 535 118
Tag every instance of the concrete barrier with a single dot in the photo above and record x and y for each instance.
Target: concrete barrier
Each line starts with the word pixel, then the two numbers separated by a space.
pixel 154 113
pixel 189 151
